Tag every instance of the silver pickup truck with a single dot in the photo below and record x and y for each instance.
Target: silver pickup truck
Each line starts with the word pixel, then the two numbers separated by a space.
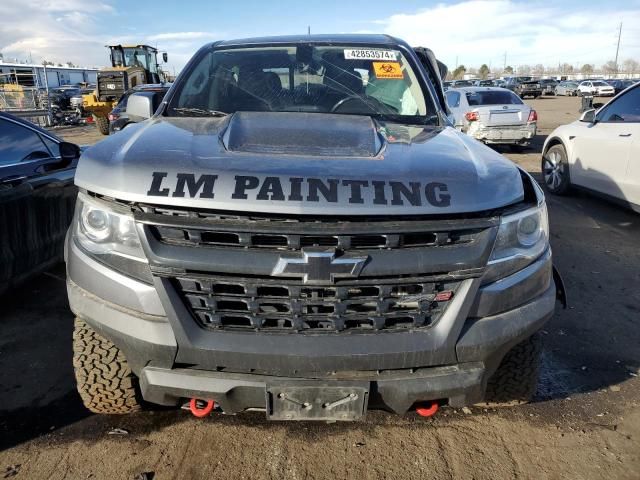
pixel 299 229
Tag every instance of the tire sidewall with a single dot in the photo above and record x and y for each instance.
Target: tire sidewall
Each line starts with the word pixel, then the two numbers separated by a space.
pixel 565 182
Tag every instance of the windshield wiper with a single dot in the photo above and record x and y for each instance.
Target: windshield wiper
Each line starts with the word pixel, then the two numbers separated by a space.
pixel 198 112
pixel 417 120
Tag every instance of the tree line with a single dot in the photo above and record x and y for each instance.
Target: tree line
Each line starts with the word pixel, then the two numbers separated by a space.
pixel 629 66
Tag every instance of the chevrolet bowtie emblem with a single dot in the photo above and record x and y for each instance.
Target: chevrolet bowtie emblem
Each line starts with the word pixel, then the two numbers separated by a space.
pixel 319 267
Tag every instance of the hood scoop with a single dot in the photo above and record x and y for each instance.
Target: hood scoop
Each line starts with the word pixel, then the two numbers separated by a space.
pixel 304 134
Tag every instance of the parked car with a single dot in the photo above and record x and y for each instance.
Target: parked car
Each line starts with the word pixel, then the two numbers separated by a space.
pixel 524 88
pixel 620 85
pixel 61 96
pixel 446 85
pixel 118 117
pixel 484 83
pixel 548 86
pixel 599 152
pixel 595 87
pixel 286 234
pixel 37 198
pixel 566 88
pixel 462 83
pixel 76 100
pixel 492 115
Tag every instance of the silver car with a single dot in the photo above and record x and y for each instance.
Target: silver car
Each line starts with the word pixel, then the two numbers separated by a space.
pixel 569 89
pixel 492 115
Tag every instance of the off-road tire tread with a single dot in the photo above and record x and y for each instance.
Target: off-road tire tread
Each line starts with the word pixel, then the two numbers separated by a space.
pixel 516 379
pixel 102 123
pixel 105 381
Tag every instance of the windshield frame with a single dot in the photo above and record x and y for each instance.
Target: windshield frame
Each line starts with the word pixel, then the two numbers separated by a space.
pixel 428 90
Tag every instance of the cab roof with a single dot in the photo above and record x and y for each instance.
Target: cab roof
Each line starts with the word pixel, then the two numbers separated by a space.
pixel 328 38
pixel 135 46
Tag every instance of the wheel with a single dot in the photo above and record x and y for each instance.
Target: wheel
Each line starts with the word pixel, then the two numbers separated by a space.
pixel 102 123
pixel 516 379
pixel 104 379
pixel 555 170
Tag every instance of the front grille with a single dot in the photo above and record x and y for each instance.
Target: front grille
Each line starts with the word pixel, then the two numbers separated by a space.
pixel 223 303
pixel 222 267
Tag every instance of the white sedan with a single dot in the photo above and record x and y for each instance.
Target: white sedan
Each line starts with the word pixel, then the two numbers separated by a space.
pixel 492 115
pixel 599 152
pixel 596 87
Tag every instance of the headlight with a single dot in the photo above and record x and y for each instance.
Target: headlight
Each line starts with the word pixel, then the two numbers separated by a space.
pixel 522 238
pixel 109 237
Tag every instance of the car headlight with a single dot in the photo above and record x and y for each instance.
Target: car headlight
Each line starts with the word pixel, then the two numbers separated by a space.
pixel 522 238
pixel 110 238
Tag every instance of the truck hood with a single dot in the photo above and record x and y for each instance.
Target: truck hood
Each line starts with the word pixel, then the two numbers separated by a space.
pixel 300 163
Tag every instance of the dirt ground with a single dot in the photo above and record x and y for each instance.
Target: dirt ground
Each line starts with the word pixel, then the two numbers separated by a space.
pixel 583 424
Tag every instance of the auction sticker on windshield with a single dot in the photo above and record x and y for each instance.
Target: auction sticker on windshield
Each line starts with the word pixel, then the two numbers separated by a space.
pixel 387 70
pixel 369 54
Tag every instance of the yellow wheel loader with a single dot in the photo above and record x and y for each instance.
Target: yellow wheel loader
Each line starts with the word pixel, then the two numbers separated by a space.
pixel 131 65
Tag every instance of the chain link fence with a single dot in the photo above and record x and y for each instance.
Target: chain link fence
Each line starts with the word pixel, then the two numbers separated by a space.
pixel 31 103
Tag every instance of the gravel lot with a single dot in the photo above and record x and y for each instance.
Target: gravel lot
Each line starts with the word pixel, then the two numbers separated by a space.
pixel 585 422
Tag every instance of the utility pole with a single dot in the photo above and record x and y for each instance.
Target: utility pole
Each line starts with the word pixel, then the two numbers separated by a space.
pixel 308 29
pixel 505 62
pixel 618 47
pixel 456 61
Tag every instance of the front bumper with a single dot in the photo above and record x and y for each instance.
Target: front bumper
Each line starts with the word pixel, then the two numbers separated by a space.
pixel 450 362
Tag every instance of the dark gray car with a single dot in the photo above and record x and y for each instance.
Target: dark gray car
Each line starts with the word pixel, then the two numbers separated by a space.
pixel 36 198
pixel 299 229
pixel 119 118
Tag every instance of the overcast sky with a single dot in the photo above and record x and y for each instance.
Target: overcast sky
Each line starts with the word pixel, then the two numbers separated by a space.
pixel 472 32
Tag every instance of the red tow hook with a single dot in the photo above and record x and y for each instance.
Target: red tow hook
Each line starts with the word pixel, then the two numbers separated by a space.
pixel 427 409
pixel 204 411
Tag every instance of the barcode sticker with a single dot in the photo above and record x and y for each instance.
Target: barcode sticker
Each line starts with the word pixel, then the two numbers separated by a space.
pixel 370 54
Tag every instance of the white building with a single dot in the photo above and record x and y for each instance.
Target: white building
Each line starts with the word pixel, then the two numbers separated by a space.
pixel 31 75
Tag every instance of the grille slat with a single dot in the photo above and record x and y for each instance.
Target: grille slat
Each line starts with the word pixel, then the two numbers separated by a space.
pixel 211 238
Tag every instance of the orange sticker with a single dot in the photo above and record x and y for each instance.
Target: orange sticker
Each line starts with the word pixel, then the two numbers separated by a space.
pixel 387 70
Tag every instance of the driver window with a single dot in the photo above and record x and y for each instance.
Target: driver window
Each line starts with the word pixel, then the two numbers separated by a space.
pixel 625 109
pixel 117 58
pixel 20 144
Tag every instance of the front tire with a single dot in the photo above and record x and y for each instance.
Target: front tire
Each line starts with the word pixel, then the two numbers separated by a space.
pixel 105 381
pixel 516 379
pixel 102 123
pixel 555 170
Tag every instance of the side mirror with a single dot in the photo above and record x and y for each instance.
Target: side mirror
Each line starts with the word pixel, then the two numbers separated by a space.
pixel 588 116
pixel 165 57
pixel 68 152
pixel 140 105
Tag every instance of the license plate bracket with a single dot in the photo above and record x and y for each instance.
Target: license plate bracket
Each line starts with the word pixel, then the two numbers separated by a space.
pixel 322 401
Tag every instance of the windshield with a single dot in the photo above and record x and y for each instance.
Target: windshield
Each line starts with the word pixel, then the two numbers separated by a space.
pixel 493 97
pixel 136 57
pixel 304 78
pixel 601 84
